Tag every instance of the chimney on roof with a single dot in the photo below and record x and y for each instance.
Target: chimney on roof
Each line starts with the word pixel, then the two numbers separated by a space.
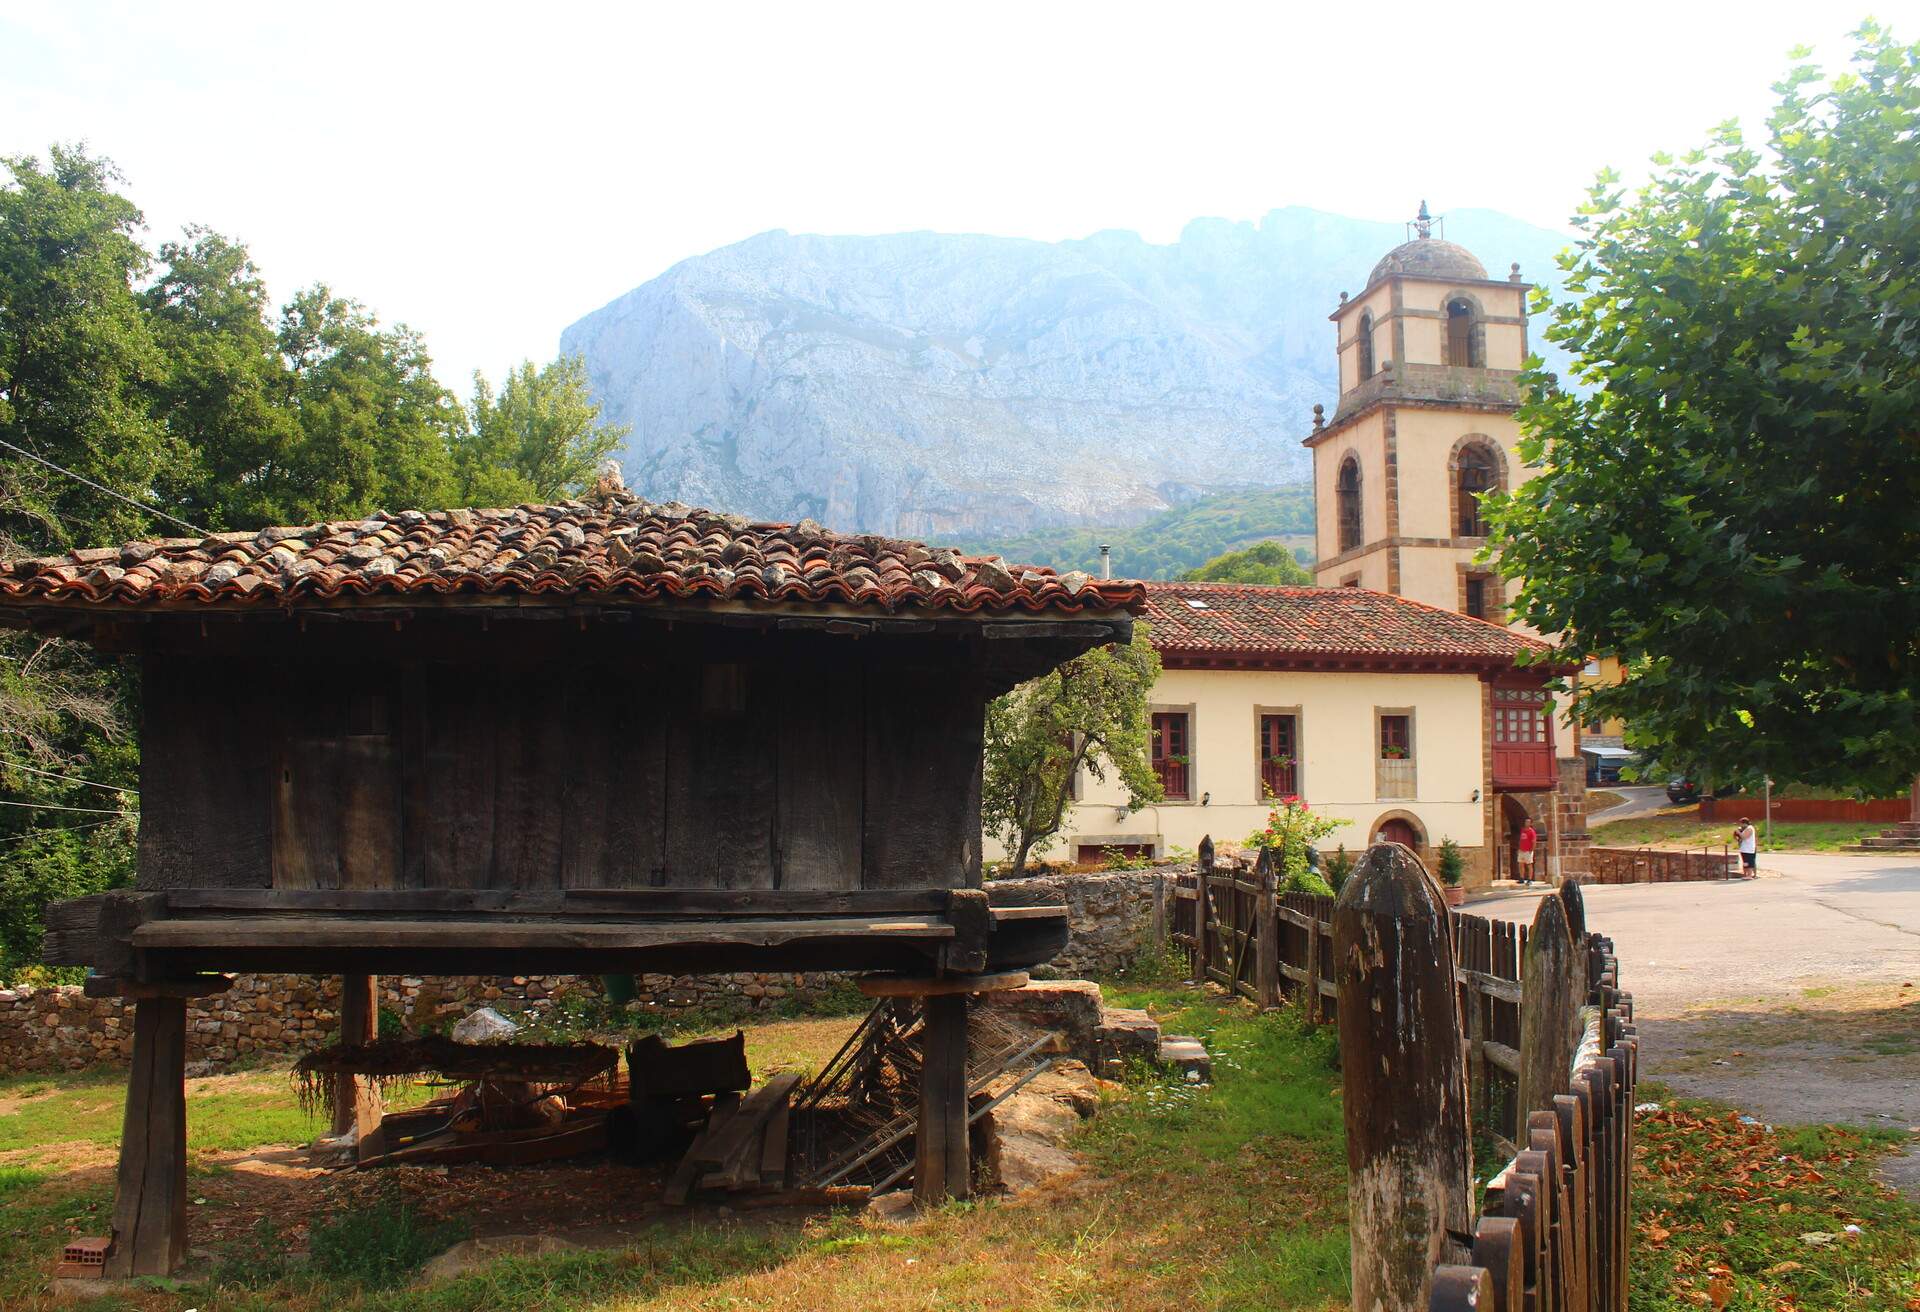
pixel 1106 561
pixel 608 485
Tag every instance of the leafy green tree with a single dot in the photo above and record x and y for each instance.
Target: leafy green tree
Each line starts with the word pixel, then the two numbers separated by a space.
pixel 1734 506
pixel 1266 563
pixel 1091 713
pixel 225 396
pixel 76 355
pixel 375 429
pixel 538 439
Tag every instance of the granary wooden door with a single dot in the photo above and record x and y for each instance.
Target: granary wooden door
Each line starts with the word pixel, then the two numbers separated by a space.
pixel 336 792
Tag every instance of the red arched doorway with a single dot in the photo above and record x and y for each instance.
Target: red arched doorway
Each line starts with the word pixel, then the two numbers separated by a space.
pixel 1400 831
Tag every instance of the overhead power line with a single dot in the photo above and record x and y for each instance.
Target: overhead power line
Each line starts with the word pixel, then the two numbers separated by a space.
pixel 82 478
pixel 49 806
pixel 75 779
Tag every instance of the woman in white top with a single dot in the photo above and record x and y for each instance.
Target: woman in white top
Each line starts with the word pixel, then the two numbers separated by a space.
pixel 1749 846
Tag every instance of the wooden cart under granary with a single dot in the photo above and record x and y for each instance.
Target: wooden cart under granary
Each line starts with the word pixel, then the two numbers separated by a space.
pixel 599 736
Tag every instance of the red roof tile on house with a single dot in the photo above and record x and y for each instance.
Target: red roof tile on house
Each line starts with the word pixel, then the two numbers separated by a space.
pixel 1255 625
pixel 616 546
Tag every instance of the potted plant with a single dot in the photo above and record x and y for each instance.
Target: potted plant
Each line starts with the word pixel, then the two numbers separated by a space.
pixel 1452 866
pixel 1393 752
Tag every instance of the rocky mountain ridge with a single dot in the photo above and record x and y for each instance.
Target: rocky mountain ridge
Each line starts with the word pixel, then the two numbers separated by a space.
pixel 938 385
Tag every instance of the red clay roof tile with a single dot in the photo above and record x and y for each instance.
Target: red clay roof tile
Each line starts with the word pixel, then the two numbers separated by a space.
pixel 616 546
pixel 1244 620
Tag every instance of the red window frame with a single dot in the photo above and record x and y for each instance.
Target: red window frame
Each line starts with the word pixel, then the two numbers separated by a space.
pixel 1396 731
pixel 1173 753
pixel 1279 736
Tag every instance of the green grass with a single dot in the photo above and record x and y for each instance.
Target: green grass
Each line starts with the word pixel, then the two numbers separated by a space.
pixel 1180 1175
pixel 1721 1209
pixel 1685 828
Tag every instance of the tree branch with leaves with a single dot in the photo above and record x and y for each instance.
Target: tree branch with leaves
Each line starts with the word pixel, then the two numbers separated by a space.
pixel 1091 714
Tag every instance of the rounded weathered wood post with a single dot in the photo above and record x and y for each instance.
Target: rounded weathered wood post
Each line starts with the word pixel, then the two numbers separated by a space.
pixel 1550 991
pixel 1574 903
pixel 1408 1155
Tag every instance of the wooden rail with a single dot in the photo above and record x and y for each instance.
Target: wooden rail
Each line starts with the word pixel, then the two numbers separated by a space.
pixel 1542 1064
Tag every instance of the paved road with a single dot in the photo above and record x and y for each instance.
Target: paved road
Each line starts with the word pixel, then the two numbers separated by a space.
pixel 1809 921
pixel 1641 800
pixel 1795 995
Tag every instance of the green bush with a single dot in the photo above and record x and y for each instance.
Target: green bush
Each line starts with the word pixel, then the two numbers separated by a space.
pixel 1338 868
pixel 1452 865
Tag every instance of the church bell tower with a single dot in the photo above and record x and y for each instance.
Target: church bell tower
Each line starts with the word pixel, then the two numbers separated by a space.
pixel 1430 353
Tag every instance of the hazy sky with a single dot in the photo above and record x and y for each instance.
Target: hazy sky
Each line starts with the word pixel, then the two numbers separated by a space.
pixel 489 174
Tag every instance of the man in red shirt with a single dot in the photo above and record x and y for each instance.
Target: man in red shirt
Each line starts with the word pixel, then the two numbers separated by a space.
pixel 1525 849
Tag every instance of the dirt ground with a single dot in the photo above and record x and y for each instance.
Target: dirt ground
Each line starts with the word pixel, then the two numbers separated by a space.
pixel 1795 997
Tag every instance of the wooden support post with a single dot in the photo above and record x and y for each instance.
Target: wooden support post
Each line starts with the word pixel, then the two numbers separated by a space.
pixel 1408 1158
pixel 1159 913
pixel 356 1103
pixel 1550 1016
pixel 1266 960
pixel 1202 913
pixel 942 1166
pixel 1316 1009
pixel 150 1198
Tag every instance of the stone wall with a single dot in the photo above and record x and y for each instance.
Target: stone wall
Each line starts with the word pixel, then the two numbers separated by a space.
pixel 59 1028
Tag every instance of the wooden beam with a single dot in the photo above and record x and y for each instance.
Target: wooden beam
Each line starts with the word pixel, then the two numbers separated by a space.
pixel 942 1163
pixel 584 903
pixel 150 1198
pixel 340 932
pixel 895 986
pixel 111 986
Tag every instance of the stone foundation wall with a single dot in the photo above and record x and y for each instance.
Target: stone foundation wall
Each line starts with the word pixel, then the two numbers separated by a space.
pixel 60 1028
pixel 262 1016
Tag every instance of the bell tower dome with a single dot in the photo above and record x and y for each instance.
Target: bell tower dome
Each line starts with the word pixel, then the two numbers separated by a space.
pixel 1430 354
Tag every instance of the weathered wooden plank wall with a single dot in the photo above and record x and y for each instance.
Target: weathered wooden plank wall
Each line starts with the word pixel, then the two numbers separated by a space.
pixel 799 761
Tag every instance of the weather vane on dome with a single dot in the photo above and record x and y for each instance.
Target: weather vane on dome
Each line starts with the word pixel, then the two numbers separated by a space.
pixel 1423 221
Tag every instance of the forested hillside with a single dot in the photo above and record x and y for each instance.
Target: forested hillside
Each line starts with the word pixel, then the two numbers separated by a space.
pixel 1173 542
pixel 159 392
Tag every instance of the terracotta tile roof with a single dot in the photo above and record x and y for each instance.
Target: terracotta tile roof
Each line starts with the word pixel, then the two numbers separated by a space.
pixel 1242 620
pixel 616 546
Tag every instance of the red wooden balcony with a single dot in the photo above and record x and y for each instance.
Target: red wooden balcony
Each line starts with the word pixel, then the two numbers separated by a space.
pixel 1522 731
pixel 1524 767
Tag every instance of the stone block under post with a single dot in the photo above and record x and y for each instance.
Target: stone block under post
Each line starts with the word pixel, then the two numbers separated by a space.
pixel 150 1194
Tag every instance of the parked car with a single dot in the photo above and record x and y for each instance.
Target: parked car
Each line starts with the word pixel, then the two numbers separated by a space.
pixel 1680 791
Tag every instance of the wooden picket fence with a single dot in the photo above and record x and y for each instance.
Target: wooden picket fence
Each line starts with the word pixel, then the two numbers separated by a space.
pixel 1660 865
pixel 1542 1062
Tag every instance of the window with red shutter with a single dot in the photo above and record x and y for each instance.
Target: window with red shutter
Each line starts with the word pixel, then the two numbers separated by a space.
pixel 1279 758
pixel 1172 760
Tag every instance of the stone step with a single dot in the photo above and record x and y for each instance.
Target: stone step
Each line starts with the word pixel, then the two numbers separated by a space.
pixel 1905 829
pixel 1125 1037
pixel 1890 842
pixel 1188 1055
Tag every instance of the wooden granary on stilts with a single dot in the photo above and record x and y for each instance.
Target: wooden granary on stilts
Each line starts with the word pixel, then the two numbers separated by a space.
pixel 598 736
